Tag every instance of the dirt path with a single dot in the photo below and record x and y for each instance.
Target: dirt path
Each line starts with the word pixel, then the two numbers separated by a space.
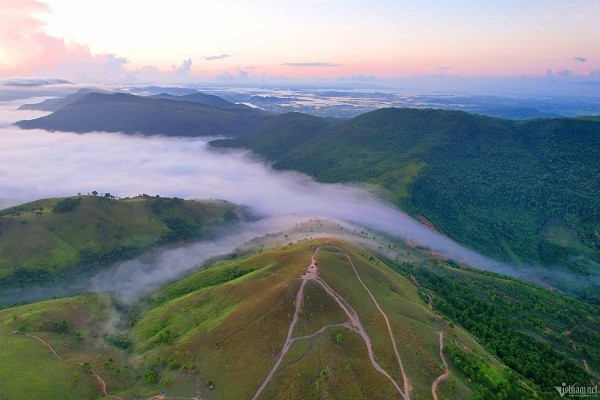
pixel 359 328
pixel 310 274
pixel 45 344
pixel 426 222
pixel 353 323
pixel 586 367
pixel 446 373
pixel 406 382
pixel 97 378
pixel 101 383
pixel 323 329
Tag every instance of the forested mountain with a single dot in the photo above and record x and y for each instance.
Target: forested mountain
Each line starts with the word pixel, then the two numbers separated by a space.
pixel 55 240
pixel 127 113
pixel 525 191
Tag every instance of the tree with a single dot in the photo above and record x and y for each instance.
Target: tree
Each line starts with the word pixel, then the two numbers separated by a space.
pixel 95 193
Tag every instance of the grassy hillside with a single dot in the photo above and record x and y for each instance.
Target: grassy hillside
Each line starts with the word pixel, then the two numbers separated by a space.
pixel 58 238
pixel 127 113
pixel 218 333
pixel 57 346
pixel 524 191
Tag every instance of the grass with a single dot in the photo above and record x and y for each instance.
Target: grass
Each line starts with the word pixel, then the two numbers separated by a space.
pixel 224 327
pixel 39 243
pixel 34 371
pixel 29 371
pixel 318 310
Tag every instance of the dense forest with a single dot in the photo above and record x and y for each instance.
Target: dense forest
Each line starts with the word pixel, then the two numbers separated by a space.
pixel 539 334
pixel 522 191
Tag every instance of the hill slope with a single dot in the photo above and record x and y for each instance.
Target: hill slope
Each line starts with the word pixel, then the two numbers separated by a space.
pixel 56 239
pixel 299 322
pixel 127 113
pixel 279 135
pixel 230 323
pixel 524 191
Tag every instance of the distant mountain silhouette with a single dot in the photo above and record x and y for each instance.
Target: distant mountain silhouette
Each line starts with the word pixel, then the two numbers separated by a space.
pixel 201 98
pixel 56 104
pixel 128 113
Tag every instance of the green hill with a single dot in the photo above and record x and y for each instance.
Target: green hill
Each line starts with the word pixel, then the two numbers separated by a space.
pixel 219 332
pixel 280 135
pixel 127 113
pixel 523 191
pixel 56 239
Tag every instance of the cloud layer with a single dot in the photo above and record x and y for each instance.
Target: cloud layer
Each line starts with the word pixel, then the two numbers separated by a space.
pixel 213 58
pixel 37 164
pixel 311 64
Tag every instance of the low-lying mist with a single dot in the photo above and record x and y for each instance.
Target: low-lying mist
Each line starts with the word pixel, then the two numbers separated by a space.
pixel 36 164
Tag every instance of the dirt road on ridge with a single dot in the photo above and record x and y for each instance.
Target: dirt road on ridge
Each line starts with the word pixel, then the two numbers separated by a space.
pixel 446 373
pixel 406 382
pixel 353 323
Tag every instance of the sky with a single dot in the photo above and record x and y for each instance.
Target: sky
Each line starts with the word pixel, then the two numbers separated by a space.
pixel 184 40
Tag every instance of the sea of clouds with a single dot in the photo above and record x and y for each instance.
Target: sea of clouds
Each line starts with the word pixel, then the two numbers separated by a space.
pixel 38 164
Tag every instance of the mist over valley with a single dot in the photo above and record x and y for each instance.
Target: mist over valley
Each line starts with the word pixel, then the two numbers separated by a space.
pixel 382 200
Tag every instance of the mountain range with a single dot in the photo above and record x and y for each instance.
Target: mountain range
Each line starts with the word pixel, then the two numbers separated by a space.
pixel 522 191
pixel 321 310
pixel 121 112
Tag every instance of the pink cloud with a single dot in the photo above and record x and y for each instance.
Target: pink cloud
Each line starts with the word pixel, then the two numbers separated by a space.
pixel 30 51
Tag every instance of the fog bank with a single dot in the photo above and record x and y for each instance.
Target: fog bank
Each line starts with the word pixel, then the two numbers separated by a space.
pixel 37 164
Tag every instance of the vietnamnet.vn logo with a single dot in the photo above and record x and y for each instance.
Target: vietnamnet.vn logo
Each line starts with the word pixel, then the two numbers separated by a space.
pixel 577 391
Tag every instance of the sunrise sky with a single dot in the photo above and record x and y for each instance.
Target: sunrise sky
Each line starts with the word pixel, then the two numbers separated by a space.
pixel 116 40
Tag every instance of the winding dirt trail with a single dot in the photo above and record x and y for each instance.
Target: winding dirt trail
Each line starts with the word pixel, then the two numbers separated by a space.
pixel 323 329
pixel 45 344
pixel 353 323
pixel 101 383
pixel 586 367
pixel 406 382
pixel 310 274
pixel 446 373
pixel 359 328
pixel 97 378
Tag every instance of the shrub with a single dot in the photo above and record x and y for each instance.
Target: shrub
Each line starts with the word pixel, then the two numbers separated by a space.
pixel 66 205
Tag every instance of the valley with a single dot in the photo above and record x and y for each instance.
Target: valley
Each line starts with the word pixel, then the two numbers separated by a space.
pixel 193 299
pixel 320 317
pixel 524 192
pixel 279 200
